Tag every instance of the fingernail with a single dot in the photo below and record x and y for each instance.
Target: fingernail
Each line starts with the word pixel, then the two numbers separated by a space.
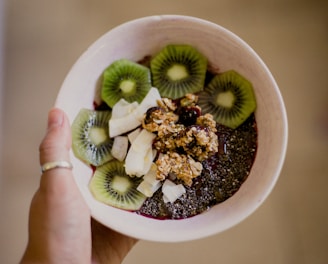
pixel 55 118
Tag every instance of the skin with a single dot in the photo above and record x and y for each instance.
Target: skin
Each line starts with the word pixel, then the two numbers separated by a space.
pixel 60 226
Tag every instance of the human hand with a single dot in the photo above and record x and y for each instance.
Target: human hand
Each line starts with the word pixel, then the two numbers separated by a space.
pixel 60 225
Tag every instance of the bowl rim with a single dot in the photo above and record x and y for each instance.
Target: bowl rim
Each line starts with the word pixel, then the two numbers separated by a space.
pixel 162 235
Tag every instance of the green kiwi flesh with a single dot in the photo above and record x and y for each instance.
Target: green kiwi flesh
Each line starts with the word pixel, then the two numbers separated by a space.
pixel 229 97
pixel 125 79
pixel 177 70
pixel 112 186
pixel 90 137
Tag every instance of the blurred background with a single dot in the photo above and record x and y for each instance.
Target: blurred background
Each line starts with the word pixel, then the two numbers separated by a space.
pixel 40 41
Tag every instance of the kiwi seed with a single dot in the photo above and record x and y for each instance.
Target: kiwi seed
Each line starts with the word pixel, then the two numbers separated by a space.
pixel 125 79
pixel 178 70
pixel 90 137
pixel 112 186
pixel 229 97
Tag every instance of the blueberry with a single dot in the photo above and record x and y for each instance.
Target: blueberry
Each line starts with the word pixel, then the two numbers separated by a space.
pixel 188 115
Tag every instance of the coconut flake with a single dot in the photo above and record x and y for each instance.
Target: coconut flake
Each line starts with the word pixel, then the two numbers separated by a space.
pixel 128 116
pixel 120 147
pixel 133 134
pixel 123 108
pixel 119 126
pixel 143 141
pixel 134 163
pixel 150 184
pixel 140 155
pixel 150 100
pixel 172 191
pixel 147 188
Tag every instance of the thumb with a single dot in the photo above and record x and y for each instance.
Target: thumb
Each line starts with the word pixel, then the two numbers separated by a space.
pixel 55 146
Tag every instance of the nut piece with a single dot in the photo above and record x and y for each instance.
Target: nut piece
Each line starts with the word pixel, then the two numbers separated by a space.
pixel 207 121
pixel 199 142
pixel 156 117
pixel 189 99
pixel 183 166
pixel 167 104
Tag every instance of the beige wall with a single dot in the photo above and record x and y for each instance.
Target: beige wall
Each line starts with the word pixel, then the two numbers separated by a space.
pixel 2 27
pixel 44 38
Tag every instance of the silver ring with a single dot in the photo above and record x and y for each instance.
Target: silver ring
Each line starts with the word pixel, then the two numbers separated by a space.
pixel 56 164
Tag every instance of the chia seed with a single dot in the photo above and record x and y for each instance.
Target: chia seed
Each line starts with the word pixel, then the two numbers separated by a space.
pixel 222 176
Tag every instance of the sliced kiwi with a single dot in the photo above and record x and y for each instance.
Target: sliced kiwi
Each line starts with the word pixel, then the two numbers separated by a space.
pixel 90 137
pixel 178 70
pixel 229 97
pixel 111 185
pixel 125 79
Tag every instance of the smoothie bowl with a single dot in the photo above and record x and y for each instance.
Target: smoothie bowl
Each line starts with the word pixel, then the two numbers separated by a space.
pixel 179 129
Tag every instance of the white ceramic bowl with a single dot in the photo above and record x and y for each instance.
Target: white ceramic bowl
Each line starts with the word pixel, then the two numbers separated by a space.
pixel 224 50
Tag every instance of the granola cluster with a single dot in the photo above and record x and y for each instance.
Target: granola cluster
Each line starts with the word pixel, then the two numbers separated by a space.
pixel 175 165
pixel 184 137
